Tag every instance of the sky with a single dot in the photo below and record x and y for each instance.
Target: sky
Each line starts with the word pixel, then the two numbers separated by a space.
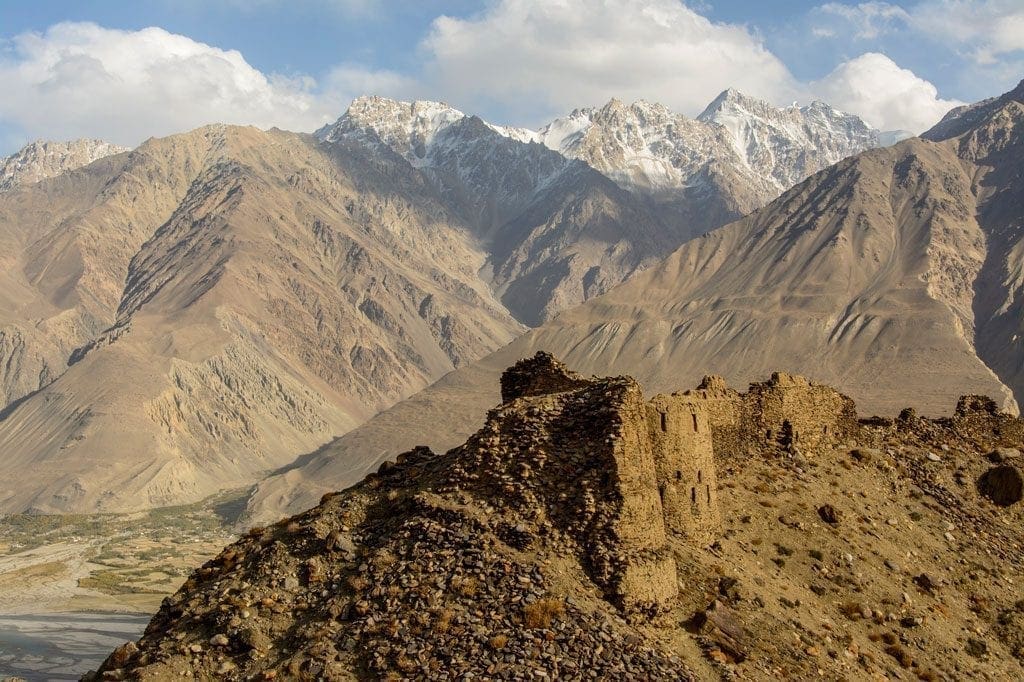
pixel 126 70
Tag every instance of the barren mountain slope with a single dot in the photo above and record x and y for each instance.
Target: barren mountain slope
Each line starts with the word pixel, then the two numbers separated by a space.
pixel 67 244
pixel 995 146
pixel 285 296
pixel 45 159
pixel 585 532
pixel 865 276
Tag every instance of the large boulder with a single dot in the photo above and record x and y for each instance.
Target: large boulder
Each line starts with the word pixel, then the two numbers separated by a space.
pixel 1002 484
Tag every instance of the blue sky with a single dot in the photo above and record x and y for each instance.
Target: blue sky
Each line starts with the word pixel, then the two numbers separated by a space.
pixel 127 70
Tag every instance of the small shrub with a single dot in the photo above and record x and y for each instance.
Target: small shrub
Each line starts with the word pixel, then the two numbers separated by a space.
pixel 443 621
pixel 498 642
pixel 542 612
pixel 850 609
pixel 900 654
pixel 468 586
pixel 817 555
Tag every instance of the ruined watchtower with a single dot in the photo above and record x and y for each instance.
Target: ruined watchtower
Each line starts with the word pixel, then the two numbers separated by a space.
pixel 614 474
pixel 680 433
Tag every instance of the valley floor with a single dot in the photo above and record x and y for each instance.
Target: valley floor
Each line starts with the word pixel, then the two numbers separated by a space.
pixel 74 587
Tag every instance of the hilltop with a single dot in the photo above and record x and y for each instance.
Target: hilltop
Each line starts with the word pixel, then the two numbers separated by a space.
pixel 586 530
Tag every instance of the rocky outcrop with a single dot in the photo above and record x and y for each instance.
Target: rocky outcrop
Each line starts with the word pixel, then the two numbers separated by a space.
pixel 1004 485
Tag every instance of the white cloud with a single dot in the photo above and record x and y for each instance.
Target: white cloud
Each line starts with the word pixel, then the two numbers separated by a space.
pixel 528 59
pixel 348 81
pixel 79 79
pixel 986 29
pixel 868 20
pixel 883 94
pixel 561 54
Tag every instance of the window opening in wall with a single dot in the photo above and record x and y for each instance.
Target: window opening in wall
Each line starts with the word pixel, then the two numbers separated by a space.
pixel 709 493
pixel 664 422
pixel 679 475
pixel 695 429
pixel 700 476
pixel 693 495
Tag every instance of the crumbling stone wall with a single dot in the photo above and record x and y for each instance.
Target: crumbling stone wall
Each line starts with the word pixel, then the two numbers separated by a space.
pixel 791 411
pixel 981 417
pixel 681 437
pixel 540 375
pixel 575 455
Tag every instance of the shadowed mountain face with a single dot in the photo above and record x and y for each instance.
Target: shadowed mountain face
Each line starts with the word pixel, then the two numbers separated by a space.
pixel 894 275
pixel 196 313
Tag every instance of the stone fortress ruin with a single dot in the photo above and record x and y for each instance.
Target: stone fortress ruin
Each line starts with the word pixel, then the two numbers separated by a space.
pixel 620 475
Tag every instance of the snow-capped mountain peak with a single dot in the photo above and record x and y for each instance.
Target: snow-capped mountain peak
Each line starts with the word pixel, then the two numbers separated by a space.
pixel 785 145
pixel 644 146
pixel 408 128
pixel 45 159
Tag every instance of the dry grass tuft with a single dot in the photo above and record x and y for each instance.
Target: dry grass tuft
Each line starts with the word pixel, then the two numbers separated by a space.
pixel 468 586
pixel 542 612
pixel 443 621
pixel 900 654
pixel 850 609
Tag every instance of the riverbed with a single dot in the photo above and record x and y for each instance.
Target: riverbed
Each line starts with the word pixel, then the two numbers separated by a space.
pixel 62 646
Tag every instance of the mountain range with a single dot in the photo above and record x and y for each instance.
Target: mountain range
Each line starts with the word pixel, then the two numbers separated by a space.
pixel 196 313
pixel 895 274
